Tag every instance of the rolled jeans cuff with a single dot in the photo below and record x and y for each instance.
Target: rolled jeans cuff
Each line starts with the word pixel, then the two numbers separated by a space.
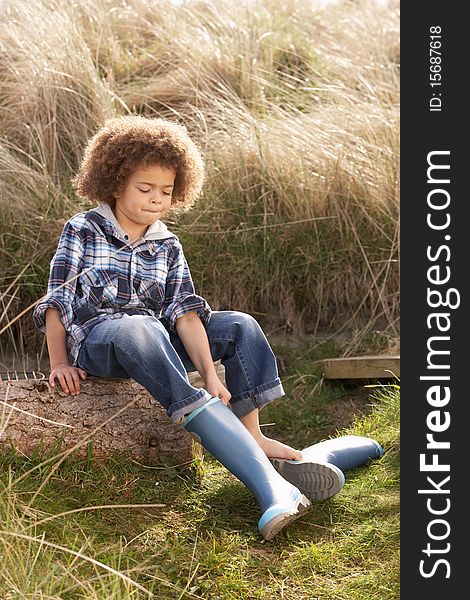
pixel 244 403
pixel 177 410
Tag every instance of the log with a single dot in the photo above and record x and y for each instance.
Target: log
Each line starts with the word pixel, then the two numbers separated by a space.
pixel 118 417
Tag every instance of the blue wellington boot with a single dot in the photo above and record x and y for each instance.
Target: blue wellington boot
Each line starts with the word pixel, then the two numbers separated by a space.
pixel 345 452
pixel 222 433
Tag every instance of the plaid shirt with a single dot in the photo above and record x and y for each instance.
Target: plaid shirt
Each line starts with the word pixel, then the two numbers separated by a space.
pixel 110 278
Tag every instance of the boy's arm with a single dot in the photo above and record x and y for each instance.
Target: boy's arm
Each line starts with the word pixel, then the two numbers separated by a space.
pixel 180 296
pixel 56 339
pixel 68 377
pixel 66 263
pixel 53 314
pixel 193 335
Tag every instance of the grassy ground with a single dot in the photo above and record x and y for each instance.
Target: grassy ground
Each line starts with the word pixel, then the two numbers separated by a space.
pixel 202 542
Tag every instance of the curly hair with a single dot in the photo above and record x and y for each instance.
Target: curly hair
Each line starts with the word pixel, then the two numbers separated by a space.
pixel 125 143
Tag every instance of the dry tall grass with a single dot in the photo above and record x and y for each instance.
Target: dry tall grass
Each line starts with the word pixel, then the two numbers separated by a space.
pixel 295 108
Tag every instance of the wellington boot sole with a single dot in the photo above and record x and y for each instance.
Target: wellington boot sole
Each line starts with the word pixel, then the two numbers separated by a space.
pixel 277 523
pixel 317 481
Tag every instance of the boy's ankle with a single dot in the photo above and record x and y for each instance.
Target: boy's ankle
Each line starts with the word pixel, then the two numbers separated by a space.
pixel 256 433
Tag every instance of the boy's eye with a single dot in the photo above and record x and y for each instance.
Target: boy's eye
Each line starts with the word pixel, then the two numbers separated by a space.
pixel 146 191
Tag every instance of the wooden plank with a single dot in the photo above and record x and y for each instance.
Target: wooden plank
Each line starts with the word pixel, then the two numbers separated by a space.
pixel 362 367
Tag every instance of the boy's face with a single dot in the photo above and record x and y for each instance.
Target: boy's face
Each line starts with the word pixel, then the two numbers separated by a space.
pixel 146 196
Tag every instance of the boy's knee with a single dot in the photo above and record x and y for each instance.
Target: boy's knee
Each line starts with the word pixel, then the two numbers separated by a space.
pixel 246 319
pixel 244 322
pixel 139 330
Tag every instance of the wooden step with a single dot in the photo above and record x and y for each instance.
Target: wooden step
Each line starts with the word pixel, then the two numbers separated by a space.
pixel 362 367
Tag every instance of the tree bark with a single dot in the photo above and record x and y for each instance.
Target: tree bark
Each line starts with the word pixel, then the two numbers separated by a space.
pixel 119 417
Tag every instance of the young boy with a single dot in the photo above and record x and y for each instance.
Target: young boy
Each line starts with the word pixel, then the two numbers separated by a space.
pixel 128 308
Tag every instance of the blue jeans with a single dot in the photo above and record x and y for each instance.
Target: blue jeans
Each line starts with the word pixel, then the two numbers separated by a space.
pixel 143 348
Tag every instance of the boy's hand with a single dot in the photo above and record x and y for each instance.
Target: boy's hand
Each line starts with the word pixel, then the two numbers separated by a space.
pixel 217 389
pixel 68 377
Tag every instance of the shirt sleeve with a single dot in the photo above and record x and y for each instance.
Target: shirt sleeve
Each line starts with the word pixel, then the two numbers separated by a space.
pixel 179 292
pixel 65 265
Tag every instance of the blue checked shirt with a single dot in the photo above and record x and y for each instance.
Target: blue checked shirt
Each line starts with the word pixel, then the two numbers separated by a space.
pixel 105 277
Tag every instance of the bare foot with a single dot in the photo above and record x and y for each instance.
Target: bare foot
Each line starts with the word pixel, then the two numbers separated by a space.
pixel 275 449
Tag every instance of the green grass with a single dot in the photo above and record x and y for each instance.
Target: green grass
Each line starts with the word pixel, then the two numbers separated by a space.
pixel 204 542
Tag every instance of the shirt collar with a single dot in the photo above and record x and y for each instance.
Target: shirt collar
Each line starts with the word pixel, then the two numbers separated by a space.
pixel 156 231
